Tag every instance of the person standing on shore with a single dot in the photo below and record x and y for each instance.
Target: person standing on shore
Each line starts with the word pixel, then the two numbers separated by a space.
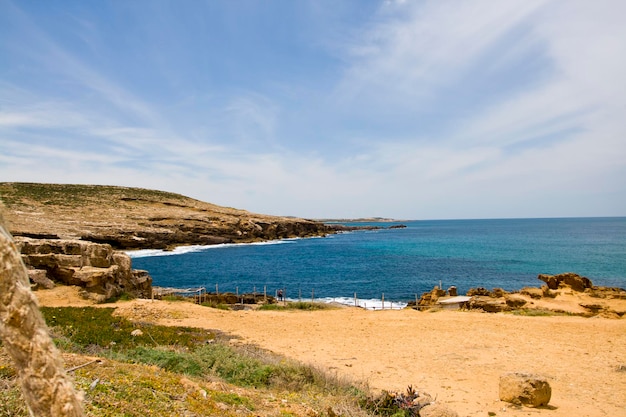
pixel 280 295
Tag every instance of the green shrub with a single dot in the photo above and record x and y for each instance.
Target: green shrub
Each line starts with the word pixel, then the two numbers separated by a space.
pixel 233 366
pixel 170 360
pixel 297 305
pixel 91 329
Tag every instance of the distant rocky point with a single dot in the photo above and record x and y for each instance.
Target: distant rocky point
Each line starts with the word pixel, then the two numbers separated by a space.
pixel 360 220
pixel 364 226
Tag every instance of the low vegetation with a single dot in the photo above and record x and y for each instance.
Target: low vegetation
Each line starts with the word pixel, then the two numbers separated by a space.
pixel 136 369
pixel 538 312
pixel 74 194
pixel 298 305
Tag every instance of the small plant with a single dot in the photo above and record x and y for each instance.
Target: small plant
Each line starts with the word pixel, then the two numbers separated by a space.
pixel 232 399
pixel 394 404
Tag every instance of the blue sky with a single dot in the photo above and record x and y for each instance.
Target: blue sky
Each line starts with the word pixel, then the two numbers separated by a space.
pixel 407 109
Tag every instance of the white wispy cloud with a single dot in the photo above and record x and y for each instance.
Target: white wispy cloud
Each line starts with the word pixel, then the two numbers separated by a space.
pixel 423 46
pixel 437 109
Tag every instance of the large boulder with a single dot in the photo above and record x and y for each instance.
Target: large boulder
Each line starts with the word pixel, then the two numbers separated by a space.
pixel 102 272
pixel 524 388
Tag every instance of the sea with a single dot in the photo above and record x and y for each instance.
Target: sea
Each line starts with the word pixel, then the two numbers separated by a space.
pixel 388 267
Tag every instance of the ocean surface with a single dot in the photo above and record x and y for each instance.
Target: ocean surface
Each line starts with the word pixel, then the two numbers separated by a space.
pixel 399 264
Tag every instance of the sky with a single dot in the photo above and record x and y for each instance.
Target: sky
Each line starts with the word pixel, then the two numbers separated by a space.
pixel 425 109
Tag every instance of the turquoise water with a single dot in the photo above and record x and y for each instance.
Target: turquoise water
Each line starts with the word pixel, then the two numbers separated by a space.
pixel 400 263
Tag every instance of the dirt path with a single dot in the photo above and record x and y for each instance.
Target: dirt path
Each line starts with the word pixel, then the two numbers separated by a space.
pixel 456 356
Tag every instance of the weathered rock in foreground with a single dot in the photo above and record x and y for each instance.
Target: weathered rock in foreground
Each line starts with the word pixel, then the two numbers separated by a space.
pixel 102 272
pixel 523 388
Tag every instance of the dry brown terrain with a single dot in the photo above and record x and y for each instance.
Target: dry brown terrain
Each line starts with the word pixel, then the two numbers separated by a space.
pixel 456 356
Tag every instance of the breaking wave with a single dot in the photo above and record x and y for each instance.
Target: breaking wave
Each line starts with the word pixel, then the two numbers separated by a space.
pixel 179 250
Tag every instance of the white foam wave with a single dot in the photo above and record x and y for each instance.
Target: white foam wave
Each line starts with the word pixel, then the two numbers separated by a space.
pixel 368 304
pixel 179 250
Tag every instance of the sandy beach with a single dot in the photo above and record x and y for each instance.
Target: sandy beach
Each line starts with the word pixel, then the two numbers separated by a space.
pixel 456 356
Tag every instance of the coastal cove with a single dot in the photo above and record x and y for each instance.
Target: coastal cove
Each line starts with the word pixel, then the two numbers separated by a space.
pixel 403 262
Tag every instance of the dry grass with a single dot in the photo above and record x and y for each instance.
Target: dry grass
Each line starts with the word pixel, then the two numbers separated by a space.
pixel 171 371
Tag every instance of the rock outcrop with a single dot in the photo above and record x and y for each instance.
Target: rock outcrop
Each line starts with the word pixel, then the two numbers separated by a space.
pixel 429 299
pixel 488 304
pixel 566 280
pixel 546 299
pixel 523 388
pixel 102 272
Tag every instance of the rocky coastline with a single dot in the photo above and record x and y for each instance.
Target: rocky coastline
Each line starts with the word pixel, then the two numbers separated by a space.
pixel 74 234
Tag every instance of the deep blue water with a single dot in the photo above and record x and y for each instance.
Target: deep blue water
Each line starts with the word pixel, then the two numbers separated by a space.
pixel 400 263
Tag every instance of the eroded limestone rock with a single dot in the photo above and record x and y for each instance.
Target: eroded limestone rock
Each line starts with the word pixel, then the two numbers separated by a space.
pixel 524 388
pixel 102 272
pixel 567 279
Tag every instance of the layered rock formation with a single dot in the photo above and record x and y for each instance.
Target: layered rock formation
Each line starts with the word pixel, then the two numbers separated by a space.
pixel 134 218
pixel 532 298
pixel 557 285
pixel 566 280
pixel 102 272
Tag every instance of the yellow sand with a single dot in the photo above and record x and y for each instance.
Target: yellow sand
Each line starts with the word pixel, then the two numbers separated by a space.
pixel 455 356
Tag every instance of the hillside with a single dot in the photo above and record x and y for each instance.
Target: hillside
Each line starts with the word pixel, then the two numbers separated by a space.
pixel 135 218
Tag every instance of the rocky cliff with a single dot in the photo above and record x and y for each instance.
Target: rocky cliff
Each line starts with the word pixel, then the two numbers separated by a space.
pixel 134 218
pixel 72 234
